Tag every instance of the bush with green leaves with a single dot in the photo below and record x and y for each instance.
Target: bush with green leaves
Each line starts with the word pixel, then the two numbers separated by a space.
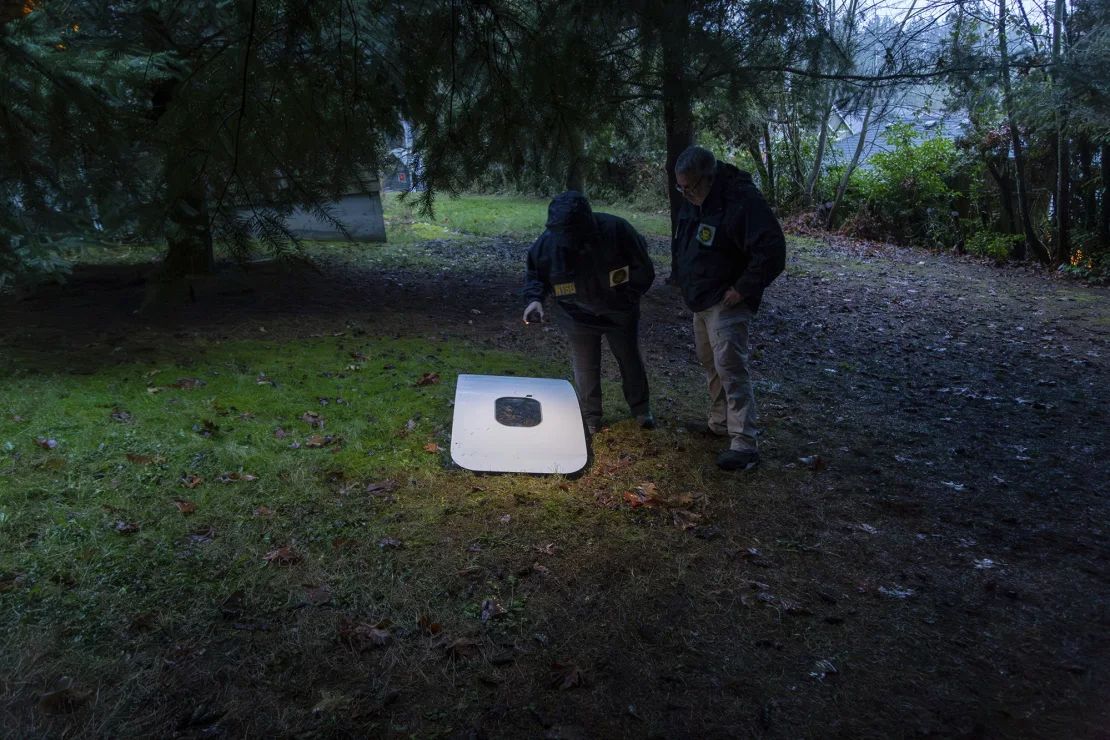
pixel 986 243
pixel 908 190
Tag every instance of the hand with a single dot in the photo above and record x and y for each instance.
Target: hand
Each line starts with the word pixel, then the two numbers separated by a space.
pixel 732 298
pixel 534 313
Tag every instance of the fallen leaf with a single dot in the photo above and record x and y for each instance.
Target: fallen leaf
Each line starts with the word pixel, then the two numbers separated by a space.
pixel 123 417
pixel 185 507
pixel 206 428
pixel 280 433
pixel 491 610
pixel 635 499
pixel 684 519
pixel 432 447
pixel 263 512
pixel 472 572
pixel 235 477
pixel 316 441
pixel 359 356
pixel 46 444
pixel 822 669
pixel 815 463
pixel 144 459
pixel 317 595
pixel 427 626
pixel 362 635
pixel 188 383
pixel 428 379
pixel 461 648
pixel 201 535
pixel 567 676
pixel 378 488
pixel 390 543
pixel 126 527
pixel 543 570
pixel 313 419
pixel 549 549
pixel 506 518
pixel 284 555
pixel 331 702
pixel 191 480
pixel 63 701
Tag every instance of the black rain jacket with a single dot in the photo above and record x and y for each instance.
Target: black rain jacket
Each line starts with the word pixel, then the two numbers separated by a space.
pixel 594 264
pixel 731 241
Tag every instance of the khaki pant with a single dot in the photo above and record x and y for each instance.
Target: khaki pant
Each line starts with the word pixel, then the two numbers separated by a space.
pixel 721 340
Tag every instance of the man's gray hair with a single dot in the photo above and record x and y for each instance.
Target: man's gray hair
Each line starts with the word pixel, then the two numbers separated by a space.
pixel 696 161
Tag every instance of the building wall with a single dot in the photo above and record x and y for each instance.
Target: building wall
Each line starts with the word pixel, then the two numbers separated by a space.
pixel 361 214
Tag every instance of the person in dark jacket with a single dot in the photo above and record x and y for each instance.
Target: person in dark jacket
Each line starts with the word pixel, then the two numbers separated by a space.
pixel 727 248
pixel 596 266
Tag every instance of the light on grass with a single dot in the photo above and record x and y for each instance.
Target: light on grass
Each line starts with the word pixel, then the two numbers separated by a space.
pixel 517 425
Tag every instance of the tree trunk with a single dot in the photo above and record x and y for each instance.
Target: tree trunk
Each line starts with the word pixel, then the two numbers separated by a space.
pixel 843 186
pixel 1005 196
pixel 678 109
pixel 1031 239
pixel 772 189
pixel 760 166
pixel 1063 157
pixel 576 167
pixel 819 155
pixel 1104 227
pixel 1086 170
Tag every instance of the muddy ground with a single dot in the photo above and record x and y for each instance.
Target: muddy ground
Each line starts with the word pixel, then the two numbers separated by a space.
pixel 925 550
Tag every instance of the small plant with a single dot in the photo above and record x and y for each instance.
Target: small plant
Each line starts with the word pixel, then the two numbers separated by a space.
pixel 991 244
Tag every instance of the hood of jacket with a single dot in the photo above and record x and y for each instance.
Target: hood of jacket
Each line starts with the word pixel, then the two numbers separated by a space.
pixel 571 217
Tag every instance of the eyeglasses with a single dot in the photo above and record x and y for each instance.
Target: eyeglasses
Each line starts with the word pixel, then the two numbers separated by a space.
pixel 688 189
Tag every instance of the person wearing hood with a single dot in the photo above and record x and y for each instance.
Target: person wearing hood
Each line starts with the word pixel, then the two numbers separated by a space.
pixel 727 248
pixel 596 267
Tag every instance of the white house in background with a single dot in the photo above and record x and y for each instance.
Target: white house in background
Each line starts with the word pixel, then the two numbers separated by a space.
pixel 360 212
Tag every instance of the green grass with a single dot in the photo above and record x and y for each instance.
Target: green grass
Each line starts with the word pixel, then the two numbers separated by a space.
pixel 490 215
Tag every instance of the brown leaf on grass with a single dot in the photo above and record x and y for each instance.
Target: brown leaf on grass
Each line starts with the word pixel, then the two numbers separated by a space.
pixel 428 379
pixel 635 499
pixel 381 487
pixel 191 480
pixel 543 570
pixel 263 379
pixel 201 535
pixel 816 463
pixel 263 512
pixel 235 477
pixel 360 356
pixel 280 433
pixel 284 555
pixel 123 417
pixel 46 444
pixel 317 595
pixel 361 635
pixel 567 676
pixel 491 610
pixel 126 527
pixel 246 416
pixel 471 572
pixel 343 543
pixel 206 428
pixel 313 419
pixel 427 626
pixel 63 701
pixel 188 384
pixel 684 519
pixel 10 581
pixel 144 459
pixel 464 647
pixel 390 543
pixel 185 507
pixel 549 549
pixel 432 447
pixel 316 441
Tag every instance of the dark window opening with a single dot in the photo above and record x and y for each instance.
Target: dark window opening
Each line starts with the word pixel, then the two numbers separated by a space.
pixel 518 412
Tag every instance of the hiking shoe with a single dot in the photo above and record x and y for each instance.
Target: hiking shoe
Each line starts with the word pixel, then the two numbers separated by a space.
pixel 646 421
pixel 593 426
pixel 701 429
pixel 738 460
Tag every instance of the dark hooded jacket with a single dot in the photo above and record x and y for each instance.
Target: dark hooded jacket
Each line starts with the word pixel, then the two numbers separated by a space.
pixel 594 264
pixel 731 241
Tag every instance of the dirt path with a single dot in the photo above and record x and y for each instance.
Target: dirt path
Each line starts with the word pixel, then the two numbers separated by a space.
pixel 943 569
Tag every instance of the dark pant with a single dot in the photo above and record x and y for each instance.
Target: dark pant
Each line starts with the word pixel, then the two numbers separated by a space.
pixel 585 352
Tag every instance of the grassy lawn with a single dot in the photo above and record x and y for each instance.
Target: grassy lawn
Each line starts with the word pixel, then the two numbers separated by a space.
pixel 492 215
